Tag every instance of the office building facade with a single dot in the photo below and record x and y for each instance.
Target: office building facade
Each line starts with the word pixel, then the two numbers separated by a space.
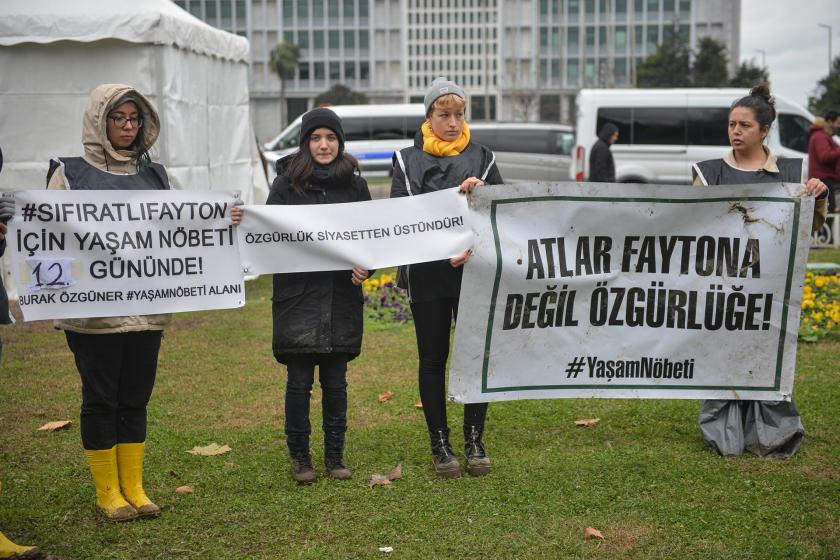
pixel 517 59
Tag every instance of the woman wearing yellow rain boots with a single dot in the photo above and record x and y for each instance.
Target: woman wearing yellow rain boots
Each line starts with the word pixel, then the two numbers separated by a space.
pixel 116 356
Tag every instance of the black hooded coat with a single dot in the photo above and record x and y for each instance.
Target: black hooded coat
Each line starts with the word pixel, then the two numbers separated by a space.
pixel 601 164
pixel 316 312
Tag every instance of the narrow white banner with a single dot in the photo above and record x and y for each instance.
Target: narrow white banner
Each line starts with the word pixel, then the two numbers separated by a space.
pixel 631 291
pixel 112 253
pixel 371 234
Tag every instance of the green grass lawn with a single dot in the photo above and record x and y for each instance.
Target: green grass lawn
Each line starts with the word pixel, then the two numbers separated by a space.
pixel 642 476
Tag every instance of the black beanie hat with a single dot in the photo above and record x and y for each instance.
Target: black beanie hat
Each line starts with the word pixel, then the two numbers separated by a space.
pixel 318 118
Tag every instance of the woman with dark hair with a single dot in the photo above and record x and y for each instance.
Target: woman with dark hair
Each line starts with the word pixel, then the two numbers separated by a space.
pixel 318 315
pixel 761 427
pixel 443 157
pixel 824 154
pixel 116 356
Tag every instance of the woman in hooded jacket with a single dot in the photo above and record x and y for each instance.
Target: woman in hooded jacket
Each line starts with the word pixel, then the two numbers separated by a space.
pixel 317 316
pixel 765 428
pixel 116 356
pixel 443 157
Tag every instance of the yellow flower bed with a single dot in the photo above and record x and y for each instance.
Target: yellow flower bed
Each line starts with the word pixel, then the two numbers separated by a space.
pixel 820 306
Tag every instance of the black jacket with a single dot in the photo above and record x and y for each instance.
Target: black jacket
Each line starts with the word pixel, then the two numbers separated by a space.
pixel 601 163
pixel 317 312
pixel 4 299
pixel 427 173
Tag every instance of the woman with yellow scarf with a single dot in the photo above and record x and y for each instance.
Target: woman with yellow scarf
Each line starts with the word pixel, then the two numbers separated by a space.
pixel 442 157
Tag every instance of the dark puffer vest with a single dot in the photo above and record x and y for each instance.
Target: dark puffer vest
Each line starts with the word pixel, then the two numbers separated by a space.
pixel 317 312
pixel 417 172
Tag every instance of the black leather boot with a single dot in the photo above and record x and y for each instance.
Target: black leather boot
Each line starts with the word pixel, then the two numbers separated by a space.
pixel 302 471
pixel 443 459
pixel 478 463
pixel 301 459
pixel 334 455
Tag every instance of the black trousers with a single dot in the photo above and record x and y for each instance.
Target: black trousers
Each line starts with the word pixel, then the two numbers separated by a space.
pixel 118 373
pixel 432 325
pixel 833 188
pixel 332 375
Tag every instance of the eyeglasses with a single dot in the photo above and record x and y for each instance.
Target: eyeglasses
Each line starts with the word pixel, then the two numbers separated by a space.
pixel 136 122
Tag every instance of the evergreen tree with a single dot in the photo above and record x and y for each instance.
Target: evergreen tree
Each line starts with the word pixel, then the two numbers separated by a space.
pixel 748 74
pixel 827 93
pixel 340 94
pixel 284 62
pixel 709 69
pixel 667 67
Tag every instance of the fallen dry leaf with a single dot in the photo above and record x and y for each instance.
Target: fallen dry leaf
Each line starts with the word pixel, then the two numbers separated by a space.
pixel 53 426
pixel 396 473
pixel 386 479
pixel 590 533
pixel 184 490
pixel 210 450
pixel 586 422
pixel 418 404
pixel 379 480
pixel 386 396
pixel 173 472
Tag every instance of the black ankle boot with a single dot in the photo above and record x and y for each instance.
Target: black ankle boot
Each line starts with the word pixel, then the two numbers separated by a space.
pixel 302 471
pixel 443 459
pixel 478 463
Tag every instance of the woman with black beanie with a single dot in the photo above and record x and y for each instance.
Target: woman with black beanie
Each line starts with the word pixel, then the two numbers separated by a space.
pixel 318 315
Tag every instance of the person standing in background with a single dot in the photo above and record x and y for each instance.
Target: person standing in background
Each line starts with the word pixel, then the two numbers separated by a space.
pixel 824 154
pixel 601 163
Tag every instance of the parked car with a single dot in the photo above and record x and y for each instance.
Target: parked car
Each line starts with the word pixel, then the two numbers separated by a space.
pixel 663 132
pixel 527 151
pixel 372 134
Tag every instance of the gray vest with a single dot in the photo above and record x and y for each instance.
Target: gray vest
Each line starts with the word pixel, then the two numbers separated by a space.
pixel 82 176
pixel 718 172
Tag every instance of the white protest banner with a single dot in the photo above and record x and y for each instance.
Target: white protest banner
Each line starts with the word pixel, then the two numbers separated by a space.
pixel 370 234
pixel 631 291
pixel 113 253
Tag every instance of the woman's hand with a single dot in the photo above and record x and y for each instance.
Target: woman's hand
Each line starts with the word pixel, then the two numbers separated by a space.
pixel 236 215
pixel 359 275
pixel 461 259
pixel 469 184
pixel 815 187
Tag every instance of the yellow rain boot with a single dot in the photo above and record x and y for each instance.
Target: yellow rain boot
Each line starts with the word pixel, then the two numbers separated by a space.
pixel 109 500
pixel 130 463
pixel 8 549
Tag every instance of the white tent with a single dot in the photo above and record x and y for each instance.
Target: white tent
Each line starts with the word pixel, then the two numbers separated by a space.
pixel 52 53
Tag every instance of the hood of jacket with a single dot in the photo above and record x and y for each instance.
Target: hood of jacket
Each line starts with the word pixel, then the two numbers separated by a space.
pixel 98 149
pixel 823 125
pixel 607 131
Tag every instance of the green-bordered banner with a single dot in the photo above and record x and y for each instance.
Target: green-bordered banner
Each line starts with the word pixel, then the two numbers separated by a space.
pixel 631 291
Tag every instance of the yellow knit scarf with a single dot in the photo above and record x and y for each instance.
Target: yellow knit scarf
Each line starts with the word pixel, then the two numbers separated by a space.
pixel 441 148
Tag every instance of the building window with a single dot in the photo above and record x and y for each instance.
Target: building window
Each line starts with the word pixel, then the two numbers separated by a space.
pixel 574 7
pixel 590 6
pixel 349 70
pixel 620 36
pixel 318 39
pixel 685 7
pixel 652 7
pixel 335 71
pixel 364 70
pixel 544 70
pixel 590 36
pixel 319 70
pixel 318 9
pixel 550 108
pixel 289 36
pixel 621 6
pixel 334 39
pixel 544 7
pixel 363 39
pixel 349 40
pixel 349 8
pixel 332 9
pixel 303 40
pixel 572 72
pixel 363 8
pixel 543 38
pixel 652 38
pixel 303 71
pixel 602 37
pixel 303 9
pixel 573 38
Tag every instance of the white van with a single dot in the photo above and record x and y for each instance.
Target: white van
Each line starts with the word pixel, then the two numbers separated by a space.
pixel 527 151
pixel 372 133
pixel 663 132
